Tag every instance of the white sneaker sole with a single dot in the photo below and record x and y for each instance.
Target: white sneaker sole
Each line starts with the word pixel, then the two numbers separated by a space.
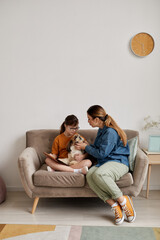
pixel 120 222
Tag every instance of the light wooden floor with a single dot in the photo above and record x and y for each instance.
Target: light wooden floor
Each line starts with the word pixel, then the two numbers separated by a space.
pixel 79 211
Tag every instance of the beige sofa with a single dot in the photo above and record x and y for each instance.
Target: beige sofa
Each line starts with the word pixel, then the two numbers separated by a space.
pixel 39 183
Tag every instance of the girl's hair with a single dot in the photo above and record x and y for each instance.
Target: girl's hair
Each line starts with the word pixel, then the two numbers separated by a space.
pixel 71 120
pixel 97 111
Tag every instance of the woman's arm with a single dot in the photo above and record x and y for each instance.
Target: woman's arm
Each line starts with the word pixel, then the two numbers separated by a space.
pixel 100 152
pixel 105 146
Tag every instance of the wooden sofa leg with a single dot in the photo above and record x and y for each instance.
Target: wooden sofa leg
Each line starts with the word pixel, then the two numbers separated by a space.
pixel 35 204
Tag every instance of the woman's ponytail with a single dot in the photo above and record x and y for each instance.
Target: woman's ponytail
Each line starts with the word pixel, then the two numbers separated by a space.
pixel 110 122
pixel 97 111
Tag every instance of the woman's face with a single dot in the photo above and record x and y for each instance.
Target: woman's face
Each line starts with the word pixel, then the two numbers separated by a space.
pixel 92 121
pixel 71 130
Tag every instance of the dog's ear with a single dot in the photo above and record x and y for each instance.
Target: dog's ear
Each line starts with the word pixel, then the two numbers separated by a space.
pixel 82 138
pixel 75 136
pixel 69 145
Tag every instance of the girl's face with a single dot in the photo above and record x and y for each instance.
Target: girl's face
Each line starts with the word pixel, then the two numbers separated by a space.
pixel 92 121
pixel 71 130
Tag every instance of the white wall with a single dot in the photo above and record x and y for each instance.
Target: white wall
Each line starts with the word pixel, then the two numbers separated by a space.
pixel 58 57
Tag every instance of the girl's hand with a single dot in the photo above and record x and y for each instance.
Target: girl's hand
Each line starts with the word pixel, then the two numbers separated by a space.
pixel 78 157
pixel 81 146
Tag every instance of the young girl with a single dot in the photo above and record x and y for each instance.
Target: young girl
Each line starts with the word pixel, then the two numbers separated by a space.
pixel 68 128
pixel 111 151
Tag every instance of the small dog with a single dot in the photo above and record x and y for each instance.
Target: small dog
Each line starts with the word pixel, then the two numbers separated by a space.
pixel 77 138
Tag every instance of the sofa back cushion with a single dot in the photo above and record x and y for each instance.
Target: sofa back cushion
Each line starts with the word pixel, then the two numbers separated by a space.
pixel 41 140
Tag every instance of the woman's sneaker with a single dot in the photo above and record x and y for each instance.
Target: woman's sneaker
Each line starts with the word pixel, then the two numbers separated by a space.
pixel 129 209
pixel 119 218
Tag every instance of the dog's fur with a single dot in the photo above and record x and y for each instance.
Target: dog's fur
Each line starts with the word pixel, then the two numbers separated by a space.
pixel 77 138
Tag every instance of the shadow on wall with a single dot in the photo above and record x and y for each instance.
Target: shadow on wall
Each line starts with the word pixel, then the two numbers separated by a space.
pixel 9 166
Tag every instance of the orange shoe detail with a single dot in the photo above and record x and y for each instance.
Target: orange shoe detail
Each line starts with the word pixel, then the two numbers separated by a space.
pixel 119 218
pixel 129 209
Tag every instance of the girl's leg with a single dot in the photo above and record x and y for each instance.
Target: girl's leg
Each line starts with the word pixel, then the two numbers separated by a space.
pixel 81 164
pixel 63 168
pixel 58 166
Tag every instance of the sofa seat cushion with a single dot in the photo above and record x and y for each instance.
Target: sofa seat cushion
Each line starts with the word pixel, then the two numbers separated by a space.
pixel 43 178
pixel 125 181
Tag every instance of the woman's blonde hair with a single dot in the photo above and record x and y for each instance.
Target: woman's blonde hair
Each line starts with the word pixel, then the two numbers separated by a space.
pixel 97 111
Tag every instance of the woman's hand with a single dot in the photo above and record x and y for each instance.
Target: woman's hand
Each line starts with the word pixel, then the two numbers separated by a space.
pixel 81 146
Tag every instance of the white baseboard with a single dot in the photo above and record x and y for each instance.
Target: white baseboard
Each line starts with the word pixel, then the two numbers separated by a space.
pixel 152 187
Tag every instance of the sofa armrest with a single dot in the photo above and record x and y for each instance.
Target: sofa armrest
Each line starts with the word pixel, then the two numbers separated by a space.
pixel 28 163
pixel 140 169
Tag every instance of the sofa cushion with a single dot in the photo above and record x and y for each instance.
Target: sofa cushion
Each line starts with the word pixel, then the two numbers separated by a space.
pixel 133 146
pixel 67 179
pixel 125 181
pixel 44 178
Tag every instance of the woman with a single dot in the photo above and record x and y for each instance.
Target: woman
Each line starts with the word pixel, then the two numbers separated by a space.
pixel 68 128
pixel 111 151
